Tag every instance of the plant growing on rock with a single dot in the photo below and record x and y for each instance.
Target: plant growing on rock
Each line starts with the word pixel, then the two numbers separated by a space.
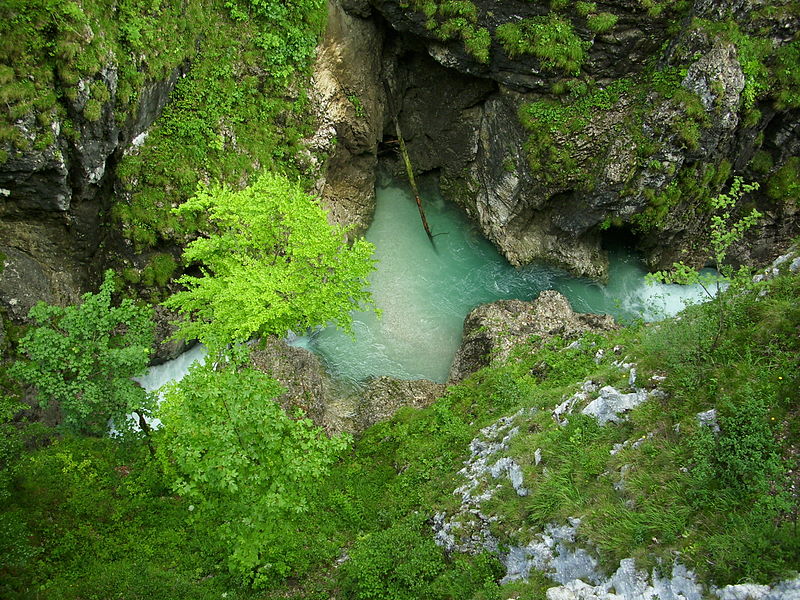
pixel 723 232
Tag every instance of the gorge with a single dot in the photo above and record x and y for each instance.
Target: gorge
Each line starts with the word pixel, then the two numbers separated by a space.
pixel 508 441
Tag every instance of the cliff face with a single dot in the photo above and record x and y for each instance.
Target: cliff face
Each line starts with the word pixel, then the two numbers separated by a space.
pixel 51 220
pixel 551 123
pixel 636 120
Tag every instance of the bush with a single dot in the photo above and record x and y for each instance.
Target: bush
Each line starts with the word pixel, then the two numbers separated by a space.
pixel 83 358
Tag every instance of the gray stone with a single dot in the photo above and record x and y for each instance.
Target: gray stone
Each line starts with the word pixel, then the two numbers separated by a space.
pixel 509 467
pixel 491 331
pixel 743 591
pixel 611 403
pixel 708 419
pixel 785 590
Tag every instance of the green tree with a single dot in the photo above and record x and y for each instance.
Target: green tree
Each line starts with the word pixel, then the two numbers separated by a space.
pixel 83 358
pixel 723 232
pixel 247 465
pixel 271 263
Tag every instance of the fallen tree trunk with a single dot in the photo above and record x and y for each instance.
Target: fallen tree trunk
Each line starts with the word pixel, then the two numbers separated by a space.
pixel 407 160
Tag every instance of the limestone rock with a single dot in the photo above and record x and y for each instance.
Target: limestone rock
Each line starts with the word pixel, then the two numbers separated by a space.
pixel 301 372
pixel 24 282
pixel 610 403
pixel 347 97
pixel 53 197
pixel 494 329
pixel 743 591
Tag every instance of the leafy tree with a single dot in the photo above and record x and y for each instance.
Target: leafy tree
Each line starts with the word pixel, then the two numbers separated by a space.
pixel 272 263
pixel 248 466
pixel 83 358
pixel 722 234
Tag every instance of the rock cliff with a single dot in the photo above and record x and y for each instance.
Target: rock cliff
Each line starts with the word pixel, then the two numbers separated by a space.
pixel 643 115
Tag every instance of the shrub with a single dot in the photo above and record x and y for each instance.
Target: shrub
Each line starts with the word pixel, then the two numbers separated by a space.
pixel 83 357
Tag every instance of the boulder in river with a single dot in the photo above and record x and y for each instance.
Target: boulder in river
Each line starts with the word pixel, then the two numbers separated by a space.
pixel 492 330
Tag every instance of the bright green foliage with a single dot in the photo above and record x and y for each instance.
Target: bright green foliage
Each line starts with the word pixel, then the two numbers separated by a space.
pixel 456 19
pixel 722 234
pixel 549 38
pixel 247 464
pixel 83 358
pixel 602 22
pixel 477 41
pixel 48 46
pixel 272 263
pixel 286 32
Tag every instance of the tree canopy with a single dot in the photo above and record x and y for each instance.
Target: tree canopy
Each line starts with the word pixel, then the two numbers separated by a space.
pixel 271 263
pixel 84 356
pixel 248 465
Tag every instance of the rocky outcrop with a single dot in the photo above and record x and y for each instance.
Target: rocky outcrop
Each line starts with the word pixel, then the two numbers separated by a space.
pixel 54 196
pixel 301 372
pixel 613 54
pixel 645 156
pixel 491 331
pixel 333 405
pixel 348 100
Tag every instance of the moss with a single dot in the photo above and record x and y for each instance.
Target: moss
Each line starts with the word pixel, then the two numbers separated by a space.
pixel 584 9
pixel 786 71
pixel 478 42
pixel 93 110
pixel 602 22
pixel 784 184
pixel 761 162
pixel 550 38
pixel 160 268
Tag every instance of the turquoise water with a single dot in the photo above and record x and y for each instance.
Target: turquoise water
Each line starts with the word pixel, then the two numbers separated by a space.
pixel 424 293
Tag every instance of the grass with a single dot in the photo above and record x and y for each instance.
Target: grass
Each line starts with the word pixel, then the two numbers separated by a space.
pixel 722 502
pixel 550 38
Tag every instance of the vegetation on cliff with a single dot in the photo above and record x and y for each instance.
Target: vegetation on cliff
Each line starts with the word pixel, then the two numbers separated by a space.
pixel 243 500
pixel 725 499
